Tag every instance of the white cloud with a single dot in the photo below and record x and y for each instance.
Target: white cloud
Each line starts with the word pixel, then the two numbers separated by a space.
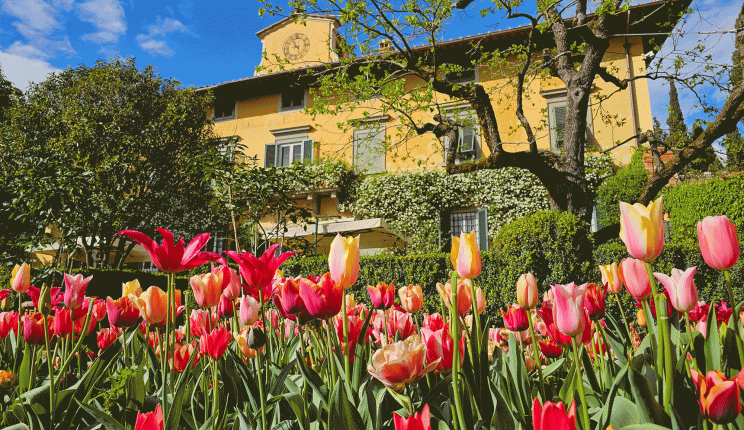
pixel 108 17
pixel 152 42
pixel 21 71
pixel 34 17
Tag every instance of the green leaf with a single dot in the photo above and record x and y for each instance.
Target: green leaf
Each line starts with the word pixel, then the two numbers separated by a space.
pixel 712 343
pixel 644 427
pixel 24 373
pixel 649 410
pixel 552 367
pixel 314 380
pixel 342 415
pixel 107 420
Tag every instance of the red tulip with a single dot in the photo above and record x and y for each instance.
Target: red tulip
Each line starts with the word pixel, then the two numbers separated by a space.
pixel 288 300
pixel 718 242
pixel 680 288
pixel 33 328
pixel 699 312
pixel 594 301
pixel 3 294
pixel 553 416
pixel 550 349
pixel 55 292
pixel 515 318
pixel 258 272
pixel 635 277
pixel 642 229
pixel 172 257
pixel 106 337
pixel 150 420
pixel 62 322
pixel 568 308
pixel 382 295
pixel 99 310
pixel 8 322
pixel 122 312
pixel 433 321
pixel 440 346
pixel 182 356
pixel 354 327
pixel 200 322
pixel 414 422
pixel 719 396
pixel 322 296
pixel 225 307
pixel 214 344
pixel 75 290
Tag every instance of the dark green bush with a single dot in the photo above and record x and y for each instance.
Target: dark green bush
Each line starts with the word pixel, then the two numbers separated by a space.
pixel 625 186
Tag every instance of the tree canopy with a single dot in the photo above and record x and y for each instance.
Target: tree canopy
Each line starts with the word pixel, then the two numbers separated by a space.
pixel 94 150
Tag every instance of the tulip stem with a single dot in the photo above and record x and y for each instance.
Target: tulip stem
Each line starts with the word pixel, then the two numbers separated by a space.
pixel 536 353
pixel 77 345
pixel 18 336
pixel 739 346
pixel 259 358
pixel 476 323
pixel 51 373
pixel 346 335
pixel 458 418
pixel 215 391
pixel 690 333
pixel 651 330
pixel 622 312
pixel 665 345
pixel 580 387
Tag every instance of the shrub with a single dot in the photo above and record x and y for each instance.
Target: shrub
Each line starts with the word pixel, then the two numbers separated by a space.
pixel 625 186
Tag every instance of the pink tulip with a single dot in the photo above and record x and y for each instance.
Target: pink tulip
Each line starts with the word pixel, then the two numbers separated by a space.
pixel 642 229
pixel 258 272
pixel 635 277
pixel 400 363
pixel 718 242
pixel 322 296
pixel 231 283
pixel 681 288
pixel 249 310
pixel 515 318
pixel 553 416
pixel 20 278
pixel 440 346
pixel 172 257
pixel 382 295
pixel 568 309
pixel 527 295
pixel 433 321
pixel 200 322
pixel 75 290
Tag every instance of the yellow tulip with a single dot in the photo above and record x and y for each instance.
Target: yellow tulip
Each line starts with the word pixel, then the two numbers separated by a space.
pixel 468 256
pixel 642 229
pixel 131 287
pixel 343 260
pixel 20 279
pixel 611 277
pixel 454 251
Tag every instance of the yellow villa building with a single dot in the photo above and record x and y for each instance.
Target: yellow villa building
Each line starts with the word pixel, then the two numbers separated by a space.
pixel 266 113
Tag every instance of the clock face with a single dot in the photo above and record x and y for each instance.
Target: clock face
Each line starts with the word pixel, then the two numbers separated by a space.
pixel 296 46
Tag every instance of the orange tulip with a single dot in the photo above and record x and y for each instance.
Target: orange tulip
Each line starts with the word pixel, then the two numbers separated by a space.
pixel 468 256
pixel 7 379
pixel 719 396
pixel 642 229
pixel 411 298
pixel 207 288
pixel 343 260
pixel 463 295
pixel 527 295
pixel 400 363
pixel 151 304
pixel 20 278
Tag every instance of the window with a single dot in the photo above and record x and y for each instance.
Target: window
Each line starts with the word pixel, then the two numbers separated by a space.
pixel 464 76
pixel 292 99
pixel 224 108
pixel 464 221
pixel 468 141
pixel 285 154
pixel 557 123
pixel 369 149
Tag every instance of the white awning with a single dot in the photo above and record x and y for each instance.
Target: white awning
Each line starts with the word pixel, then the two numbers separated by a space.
pixel 375 233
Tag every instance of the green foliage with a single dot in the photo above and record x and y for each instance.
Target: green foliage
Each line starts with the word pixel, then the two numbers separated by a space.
pixel 734 144
pixel 688 203
pixel 625 186
pixel 95 150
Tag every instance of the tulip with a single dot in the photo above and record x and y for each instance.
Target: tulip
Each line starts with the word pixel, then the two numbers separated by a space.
pixel 322 296
pixel 719 396
pixel 635 277
pixel 170 257
pixel 122 312
pixel 433 321
pixel 99 310
pixel 611 278
pixel 8 322
pixel 440 346
pixel 200 322
pixel 681 288
pixel 594 301
pixel 288 300
pixel 55 293
pixel 20 278
pixel 4 301
pixel 207 289
pixel 480 300
pixel 718 242
pixel 106 337
pixel 258 272
pixel 527 295
pixel 454 252
pixel 131 287
pixel 242 341
pixel 411 298
pixel 642 229
pixel 400 363
pixel 414 422
pixel 382 296
pixel 399 323
pixel 568 309
pixel 225 307
pixel 249 310
pixel 464 301
pixel 214 344
pixel 62 322
pixel 75 290
pixel 33 328
pixel 182 356
pixel 7 379
pixel 354 324
pixel 515 318
pixel 343 260
pixel 231 283
pixel 150 420
pixel 151 304
pixel 700 311
pixel 468 256
pixel 550 348
pixel 553 416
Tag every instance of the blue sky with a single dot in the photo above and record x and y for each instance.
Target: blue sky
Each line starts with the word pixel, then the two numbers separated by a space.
pixel 203 43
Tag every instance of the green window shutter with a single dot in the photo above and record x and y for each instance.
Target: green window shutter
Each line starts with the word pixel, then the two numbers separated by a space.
pixel 270 155
pixel 445 235
pixel 308 145
pixel 483 229
pixel 558 124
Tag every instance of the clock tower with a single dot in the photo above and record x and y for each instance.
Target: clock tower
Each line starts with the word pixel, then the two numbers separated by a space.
pixel 298 41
